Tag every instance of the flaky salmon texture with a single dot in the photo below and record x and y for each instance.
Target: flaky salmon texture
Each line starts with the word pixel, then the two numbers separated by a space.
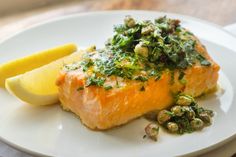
pixel 103 108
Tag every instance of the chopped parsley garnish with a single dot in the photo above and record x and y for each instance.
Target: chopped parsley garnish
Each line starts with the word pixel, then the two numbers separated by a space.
pixel 140 50
pixel 181 77
pixel 141 78
pixel 86 63
pixel 107 87
pixel 95 80
pixel 80 88
pixel 142 88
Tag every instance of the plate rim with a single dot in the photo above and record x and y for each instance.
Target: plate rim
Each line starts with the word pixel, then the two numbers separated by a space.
pixel 100 13
pixel 59 18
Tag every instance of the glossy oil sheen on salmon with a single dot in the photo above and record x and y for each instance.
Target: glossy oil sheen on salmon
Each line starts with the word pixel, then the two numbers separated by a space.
pixel 139 70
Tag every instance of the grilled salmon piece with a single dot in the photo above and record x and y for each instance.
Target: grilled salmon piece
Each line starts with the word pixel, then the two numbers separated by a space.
pixel 140 69
pixel 103 109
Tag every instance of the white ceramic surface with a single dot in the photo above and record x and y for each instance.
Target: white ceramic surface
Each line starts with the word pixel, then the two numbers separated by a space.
pixel 52 132
pixel 231 28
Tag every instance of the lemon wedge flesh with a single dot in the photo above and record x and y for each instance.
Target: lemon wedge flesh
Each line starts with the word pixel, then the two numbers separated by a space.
pixel 22 65
pixel 38 86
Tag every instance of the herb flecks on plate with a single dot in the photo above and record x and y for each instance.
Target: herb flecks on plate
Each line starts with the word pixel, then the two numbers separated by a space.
pixel 140 50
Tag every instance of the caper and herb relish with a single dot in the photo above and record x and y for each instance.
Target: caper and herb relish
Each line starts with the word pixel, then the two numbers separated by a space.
pixel 185 116
pixel 140 50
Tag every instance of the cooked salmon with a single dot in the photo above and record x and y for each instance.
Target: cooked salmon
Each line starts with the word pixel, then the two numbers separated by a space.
pixel 101 109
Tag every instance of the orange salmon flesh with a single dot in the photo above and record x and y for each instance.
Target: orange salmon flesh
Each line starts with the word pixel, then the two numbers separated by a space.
pixel 103 109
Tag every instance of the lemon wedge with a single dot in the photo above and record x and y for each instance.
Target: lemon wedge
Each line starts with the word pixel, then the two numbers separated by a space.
pixel 38 86
pixel 22 65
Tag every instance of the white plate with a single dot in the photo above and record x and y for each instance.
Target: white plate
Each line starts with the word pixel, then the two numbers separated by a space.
pixel 52 132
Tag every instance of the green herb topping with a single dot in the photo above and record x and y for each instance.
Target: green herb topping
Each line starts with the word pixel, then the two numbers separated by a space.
pixel 140 50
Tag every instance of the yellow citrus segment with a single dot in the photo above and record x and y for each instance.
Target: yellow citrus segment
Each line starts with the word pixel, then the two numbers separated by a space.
pixel 22 65
pixel 14 87
pixel 38 86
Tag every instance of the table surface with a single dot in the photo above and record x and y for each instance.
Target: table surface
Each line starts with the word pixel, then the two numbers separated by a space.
pixel 221 12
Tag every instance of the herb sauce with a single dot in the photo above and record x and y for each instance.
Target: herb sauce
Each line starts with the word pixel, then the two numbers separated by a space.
pixel 140 50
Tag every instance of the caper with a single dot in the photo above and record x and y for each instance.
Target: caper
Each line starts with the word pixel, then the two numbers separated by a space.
pixel 129 21
pixel 186 108
pixel 151 115
pixel 108 42
pixel 152 131
pixel 172 127
pixel 205 118
pixel 189 112
pixel 197 124
pixel 147 30
pixel 184 100
pixel 157 33
pixel 91 48
pixel 141 50
pixel 163 116
pixel 209 112
pixel 177 110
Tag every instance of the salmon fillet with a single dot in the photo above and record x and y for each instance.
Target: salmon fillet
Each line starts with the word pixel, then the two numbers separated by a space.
pixel 101 109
